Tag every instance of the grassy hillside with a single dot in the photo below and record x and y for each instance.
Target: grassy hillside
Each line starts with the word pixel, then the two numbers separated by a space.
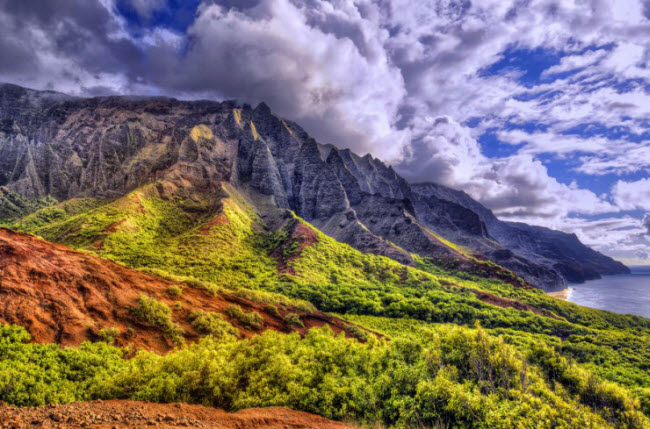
pixel 536 361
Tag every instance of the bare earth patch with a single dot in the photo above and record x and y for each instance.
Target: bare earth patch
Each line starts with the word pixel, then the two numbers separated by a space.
pixel 134 414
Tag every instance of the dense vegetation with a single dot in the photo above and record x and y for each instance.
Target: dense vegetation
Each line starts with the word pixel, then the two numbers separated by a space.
pixel 446 376
pixel 158 314
pixel 560 366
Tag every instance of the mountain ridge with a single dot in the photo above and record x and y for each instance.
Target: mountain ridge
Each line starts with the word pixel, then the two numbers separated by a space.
pixel 61 147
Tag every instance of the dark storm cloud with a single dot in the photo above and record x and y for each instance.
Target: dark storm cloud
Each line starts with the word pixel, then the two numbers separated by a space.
pixel 37 34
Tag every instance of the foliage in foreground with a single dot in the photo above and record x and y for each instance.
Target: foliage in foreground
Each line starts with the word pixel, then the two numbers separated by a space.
pixel 451 377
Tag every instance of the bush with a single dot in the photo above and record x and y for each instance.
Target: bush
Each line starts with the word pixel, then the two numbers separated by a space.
pixel 158 314
pixel 200 284
pixel 272 309
pixel 358 333
pixel 109 335
pixel 447 377
pixel 452 378
pixel 294 320
pixel 175 290
pixel 250 320
pixel 211 323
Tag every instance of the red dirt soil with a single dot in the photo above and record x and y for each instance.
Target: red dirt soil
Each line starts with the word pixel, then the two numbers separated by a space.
pixel 131 414
pixel 221 219
pixel 65 296
pixel 299 233
pixel 490 298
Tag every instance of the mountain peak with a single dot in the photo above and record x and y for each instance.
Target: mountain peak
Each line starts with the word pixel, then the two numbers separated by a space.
pixel 262 109
pixel 123 143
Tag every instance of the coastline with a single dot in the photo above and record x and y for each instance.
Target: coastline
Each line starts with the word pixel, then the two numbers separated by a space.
pixel 561 294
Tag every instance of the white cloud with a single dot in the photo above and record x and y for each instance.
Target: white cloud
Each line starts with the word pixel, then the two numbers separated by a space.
pixel 396 78
pixel 145 8
pixel 518 187
pixel 632 195
pixel 344 89
pixel 625 237
pixel 646 223
pixel 630 158
pixel 548 142
pixel 573 62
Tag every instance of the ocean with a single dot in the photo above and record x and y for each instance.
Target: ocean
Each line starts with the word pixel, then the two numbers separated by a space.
pixel 625 294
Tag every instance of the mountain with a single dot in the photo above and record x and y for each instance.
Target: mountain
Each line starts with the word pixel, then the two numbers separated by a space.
pixel 196 252
pixel 555 250
pixel 55 148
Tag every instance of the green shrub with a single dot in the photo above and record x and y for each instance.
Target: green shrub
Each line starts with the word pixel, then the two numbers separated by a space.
pixel 449 378
pixel 272 309
pixel 442 377
pixel 158 314
pixel 211 323
pixel 200 284
pixel 358 332
pixel 175 290
pixel 38 374
pixel 294 320
pixel 251 320
pixel 109 335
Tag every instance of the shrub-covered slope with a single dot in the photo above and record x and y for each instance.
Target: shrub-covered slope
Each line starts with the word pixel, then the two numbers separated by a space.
pixel 67 297
pixel 234 244
pixel 242 218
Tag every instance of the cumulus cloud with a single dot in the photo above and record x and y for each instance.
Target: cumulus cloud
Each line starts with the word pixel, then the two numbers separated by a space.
pixel 400 79
pixel 632 195
pixel 518 186
pixel 321 66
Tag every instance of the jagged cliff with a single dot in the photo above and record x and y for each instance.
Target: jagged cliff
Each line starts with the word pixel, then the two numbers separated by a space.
pixel 55 147
pixel 560 252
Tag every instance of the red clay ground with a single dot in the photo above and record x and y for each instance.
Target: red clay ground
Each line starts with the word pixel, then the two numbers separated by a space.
pixel 493 299
pixel 298 238
pixel 131 414
pixel 65 296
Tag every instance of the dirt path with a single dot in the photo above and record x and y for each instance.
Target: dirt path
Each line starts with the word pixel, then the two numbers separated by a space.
pixel 133 414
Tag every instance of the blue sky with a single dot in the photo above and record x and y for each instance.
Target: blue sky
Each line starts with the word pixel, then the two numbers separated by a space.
pixel 541 110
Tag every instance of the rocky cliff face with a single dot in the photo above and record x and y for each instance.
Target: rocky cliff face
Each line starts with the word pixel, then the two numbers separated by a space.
pixel 57 147
pixel 553 251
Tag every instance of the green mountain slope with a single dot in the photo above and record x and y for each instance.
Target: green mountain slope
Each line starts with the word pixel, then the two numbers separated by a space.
pixel 230 240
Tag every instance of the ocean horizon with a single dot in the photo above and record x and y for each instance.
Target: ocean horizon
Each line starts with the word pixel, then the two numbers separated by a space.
pixel 620 293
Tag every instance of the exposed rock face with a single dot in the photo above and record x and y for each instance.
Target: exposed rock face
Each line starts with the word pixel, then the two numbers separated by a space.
pixel 55 146
pixel 553 251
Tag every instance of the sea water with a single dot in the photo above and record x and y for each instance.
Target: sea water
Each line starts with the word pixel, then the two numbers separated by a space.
pixel 625 293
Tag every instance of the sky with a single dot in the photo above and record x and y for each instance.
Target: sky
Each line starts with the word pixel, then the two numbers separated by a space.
pixel 538 109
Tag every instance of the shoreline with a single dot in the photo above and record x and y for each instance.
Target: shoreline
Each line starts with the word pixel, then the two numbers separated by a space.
pixel 561 294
